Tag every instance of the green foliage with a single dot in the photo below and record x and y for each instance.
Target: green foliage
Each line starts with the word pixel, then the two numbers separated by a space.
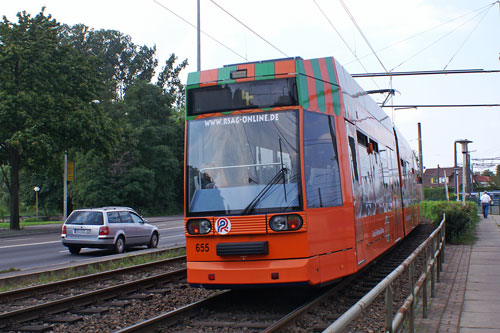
pixel 87 92
pixel 121 61
pixel 145 169
pixel 46 89
pixel 460 220
pixel 438 193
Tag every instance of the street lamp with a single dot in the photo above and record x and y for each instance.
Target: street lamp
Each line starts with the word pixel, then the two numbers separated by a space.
pixel 36 189
pixel 465 152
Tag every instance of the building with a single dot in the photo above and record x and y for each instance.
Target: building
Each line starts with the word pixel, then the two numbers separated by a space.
pixel 482 181
pixel 438 177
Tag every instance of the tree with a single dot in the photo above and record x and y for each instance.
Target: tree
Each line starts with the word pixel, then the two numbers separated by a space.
pixel 46 89
pixel 170 83
pixel 497 176
pixel 122 61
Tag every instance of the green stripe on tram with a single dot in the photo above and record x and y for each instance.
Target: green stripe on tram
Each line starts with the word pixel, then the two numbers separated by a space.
pixel 193 78
pixel 320 90
pixel 224 74
pixel 302 84
pixel 335 86
pixel 264 71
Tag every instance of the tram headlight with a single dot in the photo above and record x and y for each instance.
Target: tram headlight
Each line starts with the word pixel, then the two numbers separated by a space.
pixel 289 222
pixel 198 226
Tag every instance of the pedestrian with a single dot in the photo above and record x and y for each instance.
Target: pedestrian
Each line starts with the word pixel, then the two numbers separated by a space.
pixel 485 203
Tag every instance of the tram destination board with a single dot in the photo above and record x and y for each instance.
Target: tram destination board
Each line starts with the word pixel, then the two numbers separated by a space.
pixel 242 95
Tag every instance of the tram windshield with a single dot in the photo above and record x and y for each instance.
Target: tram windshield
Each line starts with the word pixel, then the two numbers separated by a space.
pixel 243 164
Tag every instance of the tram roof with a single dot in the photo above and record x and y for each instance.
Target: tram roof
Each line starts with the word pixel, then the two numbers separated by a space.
pixel 323 85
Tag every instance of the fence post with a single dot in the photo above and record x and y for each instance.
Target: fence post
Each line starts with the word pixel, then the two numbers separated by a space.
pixel 433 277
pixel 428 259
pixel 412 305
pixel 424 299
pixel 388 309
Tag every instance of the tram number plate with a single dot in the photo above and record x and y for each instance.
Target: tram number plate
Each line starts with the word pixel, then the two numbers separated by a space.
pixel 202 247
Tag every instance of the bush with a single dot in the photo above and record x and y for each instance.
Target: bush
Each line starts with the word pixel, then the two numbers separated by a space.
pixel 438 193
pixel 460 220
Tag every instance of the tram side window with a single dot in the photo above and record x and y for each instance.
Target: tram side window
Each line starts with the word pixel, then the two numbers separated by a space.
pixel 366 170
pixel 354 160
pixel 322 173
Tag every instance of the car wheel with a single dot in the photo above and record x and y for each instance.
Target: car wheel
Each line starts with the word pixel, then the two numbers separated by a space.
pixel 74 249
pixel 119 245
pixel 153 242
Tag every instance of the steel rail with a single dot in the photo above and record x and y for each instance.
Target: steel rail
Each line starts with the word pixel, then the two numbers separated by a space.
pixel 149 324
pixel 31 277
pixel 36 311
pixel 172 317
pixel 285 320
pixel 18 293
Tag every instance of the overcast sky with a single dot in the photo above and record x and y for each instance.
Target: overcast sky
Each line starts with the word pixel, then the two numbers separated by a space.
pixel 406 35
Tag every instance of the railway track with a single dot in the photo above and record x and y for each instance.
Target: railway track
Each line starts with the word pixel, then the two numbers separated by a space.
pixel 286 309
pixel 17 298
pixel 164 302
pixel 37 308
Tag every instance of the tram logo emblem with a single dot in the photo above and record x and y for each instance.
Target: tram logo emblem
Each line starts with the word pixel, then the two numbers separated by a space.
pixel 223 225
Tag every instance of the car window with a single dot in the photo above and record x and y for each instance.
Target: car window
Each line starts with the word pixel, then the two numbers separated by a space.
pixel 126 217
pixel 85 218
pixel 113 217
pixel 136 218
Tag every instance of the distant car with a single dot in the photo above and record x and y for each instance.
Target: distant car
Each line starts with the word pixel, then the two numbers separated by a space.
pixel 113 228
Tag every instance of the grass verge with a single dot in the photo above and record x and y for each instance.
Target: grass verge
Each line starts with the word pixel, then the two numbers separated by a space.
pixel 87 269
pixel 6 225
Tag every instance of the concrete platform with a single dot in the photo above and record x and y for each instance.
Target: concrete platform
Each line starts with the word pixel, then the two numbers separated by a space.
pixel 468 295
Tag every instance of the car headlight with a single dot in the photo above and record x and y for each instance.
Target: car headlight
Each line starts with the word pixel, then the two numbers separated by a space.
pixel 198 227
pixel 289 222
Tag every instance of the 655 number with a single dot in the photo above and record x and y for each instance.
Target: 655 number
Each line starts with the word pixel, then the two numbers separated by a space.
pixel 202 247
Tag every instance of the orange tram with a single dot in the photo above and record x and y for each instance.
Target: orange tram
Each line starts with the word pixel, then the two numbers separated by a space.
pixel 293 175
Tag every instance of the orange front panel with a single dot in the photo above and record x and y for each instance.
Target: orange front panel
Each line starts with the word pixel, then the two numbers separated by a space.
pixel 281 246
pixel 255 272
pixel 330 229
pixel 336 265
pixel 247 224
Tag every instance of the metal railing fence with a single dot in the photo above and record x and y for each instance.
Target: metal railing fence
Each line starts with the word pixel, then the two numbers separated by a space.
pixel 433 254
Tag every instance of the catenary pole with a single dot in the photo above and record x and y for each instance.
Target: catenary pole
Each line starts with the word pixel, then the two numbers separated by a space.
pixel 198 40
pixel 65 187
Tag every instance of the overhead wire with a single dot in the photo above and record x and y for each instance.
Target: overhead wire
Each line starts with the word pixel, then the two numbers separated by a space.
pixel 425 31
pixel 203 32
pixel 361 33
pixel 248 28
pixel 341 37
pixel 466 39
pixel 438 40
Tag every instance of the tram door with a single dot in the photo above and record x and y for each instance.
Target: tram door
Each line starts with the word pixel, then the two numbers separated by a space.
pixel 356 192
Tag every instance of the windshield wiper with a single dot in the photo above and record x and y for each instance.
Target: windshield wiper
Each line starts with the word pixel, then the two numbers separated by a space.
pixel 276 179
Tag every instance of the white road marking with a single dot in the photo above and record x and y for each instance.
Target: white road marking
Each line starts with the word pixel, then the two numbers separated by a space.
pixel 19 245
pixel 171 237
pixel 171 228
pixel 17 239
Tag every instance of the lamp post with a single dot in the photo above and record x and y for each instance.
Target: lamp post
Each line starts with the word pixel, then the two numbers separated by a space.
pixel 465 167
pixel 36 189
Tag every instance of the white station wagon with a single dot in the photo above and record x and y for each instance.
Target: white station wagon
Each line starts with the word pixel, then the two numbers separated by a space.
pixel 113 228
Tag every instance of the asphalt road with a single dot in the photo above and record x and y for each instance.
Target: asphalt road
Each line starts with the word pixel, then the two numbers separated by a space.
pixel 27 251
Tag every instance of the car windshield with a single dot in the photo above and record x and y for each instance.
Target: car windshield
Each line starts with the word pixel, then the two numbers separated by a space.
pixel 232 159
pixel 85 218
